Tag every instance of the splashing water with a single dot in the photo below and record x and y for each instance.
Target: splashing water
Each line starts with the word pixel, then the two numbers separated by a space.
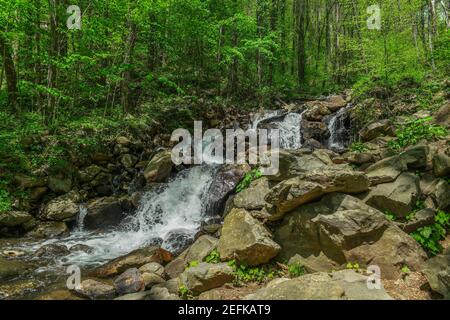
pixel 290 131
pixel 338 125
pixel 80 218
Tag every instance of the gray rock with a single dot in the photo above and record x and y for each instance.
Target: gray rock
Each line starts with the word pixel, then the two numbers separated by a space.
pixel 95 290
pixel 14 218
pixel 386 170
pixel 89 173
pixel 52 251
pixel 130 281
pixel 47 230
pixel 420 219
pixel 206 276
pixel 104 212
pixel 160 293
pixel 60 183
pixel 440 194
pixel 441 165
pixel 159 168
pixel 62 208
pixel 437 271
pixel 153 267
pixel 201 248
pixel 252 198
pixel 174 268
pixel 151 279
pixel 415 157
pixel 376 129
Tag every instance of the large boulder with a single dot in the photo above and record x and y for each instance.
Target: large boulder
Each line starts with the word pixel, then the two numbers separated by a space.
pixel 437 271
pixel 89 173
pixel 340 229
pixel 345 285
pixel 335 102
pixel 315 130
pixel 159 168
pixel 225 181
pixel 201 248
pixel 47 230
pixel 252 198
pixel 442 117
pixel 439 195
pixel 376 129
pixel 11 268
pixel 398 197
pixel 130 281
pixel 316 112
pixel 441 165
pixel 206 276
pixel 62 208
pixel 309 187
pixel 60 183
pixel 14 218
pixel 105 212
pixel 245 239
pixel 135 259
pixel 95 290
pixel 415 157
pixel 386 170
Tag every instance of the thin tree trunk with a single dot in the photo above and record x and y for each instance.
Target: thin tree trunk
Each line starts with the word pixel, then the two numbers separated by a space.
pixel 10 73
pixel 126 91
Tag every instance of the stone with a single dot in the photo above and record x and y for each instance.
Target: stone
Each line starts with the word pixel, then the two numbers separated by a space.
pixel 375 130
pixel 398 197
pixel 441 165
pixel 206 276
pixel 153 267
pixel 316 113
pixel 310 186
pixel 201 248
pixel 11 268
pixel 174 268
pixel 360 157
pixel 142 295
pixel 130 281
pixel 60 183
pixel 38 193
pixel 128 160
pixel 160 293
pixel 52 251
pixel 104 212
pixel 14 218
pixel 252 198
pixel 134 259
pixel 335 102
pixel 95 290
pixel 62 208
pixel 386 170
pixel 415 157
pixel 422 218
pixel 89 173
pixel 245 239
pixel 47 230
pixel 437 272
pixel 159 168
pixel 124 141
pixel 440 194
pixel 151 279
pixel 81 248
pixel 24 181
pixel 315 130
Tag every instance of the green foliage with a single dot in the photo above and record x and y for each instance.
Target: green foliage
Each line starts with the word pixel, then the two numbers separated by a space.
pixel 428 237
pixel 405 270
pixel 193 263
pixel 5 201
pixel 390 215
pixel 296 270
pixel 353 266
pixel 248 178
pixel 213 257
pixel 184 292
pixel 416 130
pixel 358 147
pixel 244 273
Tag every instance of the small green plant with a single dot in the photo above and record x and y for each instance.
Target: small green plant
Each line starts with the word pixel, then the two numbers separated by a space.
pixel 5 202
pixel 192 264
pixel 428 237
pixel 414 131
pixel 353 266
pixel 248 178
pixel 405 270
pixel 358 147
pixel 296 270
pixel 245 273
pixel 183 292
pixel 390 215
pixel 213 257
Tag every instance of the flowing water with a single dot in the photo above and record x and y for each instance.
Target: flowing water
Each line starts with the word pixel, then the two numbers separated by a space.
pixel 339 126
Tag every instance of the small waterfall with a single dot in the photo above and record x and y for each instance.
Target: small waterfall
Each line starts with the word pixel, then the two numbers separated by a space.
pixel 290 131
pixel 339 126
pixel 80 219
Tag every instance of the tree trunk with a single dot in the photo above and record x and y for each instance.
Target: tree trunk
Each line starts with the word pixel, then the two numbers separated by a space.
pixel 10 73
pixel 126 92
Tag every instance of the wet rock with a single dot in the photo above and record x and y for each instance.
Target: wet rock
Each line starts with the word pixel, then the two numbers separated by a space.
pixel 398 197
pixel 177 240
pixel 151 279
pixel 135 259
pixel 95 290
pixel 159 168
pixel 130 281
pixel 244 238
pixel 315 130
pixel 104 212
pixel 62 208
pixel 153 267
pixel 52 251
pixel 437 271
pixel 441 165
pixel 60 183
pixel 309 187
pixel 48 230
pixel 316 113
pixel 11 268
pixel 386 170
pixel 174 268
pixel 206 276
pixel 89 173
pixel 201 248
pixel 376 129
pixel 27 182
pixel 81 248
pixel 14 218
pixel 128 160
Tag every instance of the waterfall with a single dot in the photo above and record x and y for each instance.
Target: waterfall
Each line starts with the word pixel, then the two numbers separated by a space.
pixel 339 124
pixel 290 131
pixel 80 219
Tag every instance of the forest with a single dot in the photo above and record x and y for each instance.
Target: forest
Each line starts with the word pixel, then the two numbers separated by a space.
pixel 90 91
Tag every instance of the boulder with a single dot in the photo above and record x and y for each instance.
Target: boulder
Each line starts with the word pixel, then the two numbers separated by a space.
pixel 376 129
pixel 24 181
pixel 95 290
pixel 341 229
pixel 174 268
pixel 252 198
pixel 123 141
pixel 62 208
pixel 153 267
pixel 47 230
pixel 316 113
pixel 105 212
pixel 386 170
pixel 36 194
pixel 130 281
pixel 161 293
pixel 151 279
pixel 441 165
pixel 335 102
pixel 359 157
pixel 309 187
pixel 206 276
pixel 398 197
pixel 89 173
pixel 439 196
pixel 81 248
pixel 442 117
pixel 128 160
pixel 14 218
pixel 437 271
pixel 415 157
pixel 52 251
pixel 201 248
pixel 245 239
pixel 159 168
pixel 60 183
pixel 420 219
pixel 135 259
pixel 11 268
pixel 314 130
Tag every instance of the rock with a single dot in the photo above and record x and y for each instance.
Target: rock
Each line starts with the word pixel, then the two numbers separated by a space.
pixel 62 208
pixel 244 238
pixel 26 182
pixel 37 193
pixel 346 284
pixel 104 212
pixel 47 230
pixel 151 279
pixel 201 248
pixel 128 160
pixel 312 263
pixel 335 102
pixel 376 129
pixel 174 268
pixel 437 271
pixel 312 144
pixel 124 141
pixel 386 170
pixel 134 296
pixel 14 218
pixel 95 290
pixel 89 173
pixel 360 157
pixel 81 248
pixel 130 281
pixel 178 240
pixel 153 267
pixel 18 289
pixel 343 229
pixel 52 251
pixel 442 117
pixel 135 259
pixel 160 293
pixel 206 276
pixel 159 168
pixel 252 198
pixel 420 219
pixel 11 268
pixel 225 182
pixel 415 157
pixel 441 165
pixel 315 130
pixel 440 194
pixel 58 295
pixel 316 113
pixel 60 183
pixel 309 187
pixel 398 197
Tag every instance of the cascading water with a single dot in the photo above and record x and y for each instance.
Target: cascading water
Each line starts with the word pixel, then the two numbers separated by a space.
pixel 338 124
pixel 290 131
